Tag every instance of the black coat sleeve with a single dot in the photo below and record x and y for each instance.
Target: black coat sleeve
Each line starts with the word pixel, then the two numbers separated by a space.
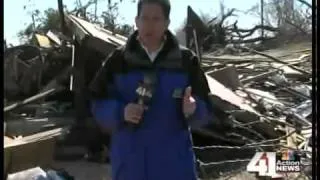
pixel 98 88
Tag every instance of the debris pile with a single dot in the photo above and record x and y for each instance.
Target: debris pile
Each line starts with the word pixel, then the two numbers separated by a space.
pixel 262 99
pixel 265 99
pixel 45 82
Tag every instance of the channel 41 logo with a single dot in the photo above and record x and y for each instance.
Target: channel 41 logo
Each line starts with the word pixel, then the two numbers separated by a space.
pixel 274 164
pixel 288 161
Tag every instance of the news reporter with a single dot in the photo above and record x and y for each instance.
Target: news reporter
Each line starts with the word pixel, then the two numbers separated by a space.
pixel 160 146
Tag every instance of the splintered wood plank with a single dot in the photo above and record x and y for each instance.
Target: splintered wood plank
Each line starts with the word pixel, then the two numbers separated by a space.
pixel 291 140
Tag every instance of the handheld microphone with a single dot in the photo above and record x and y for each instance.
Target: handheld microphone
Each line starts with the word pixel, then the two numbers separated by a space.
pixel 145 91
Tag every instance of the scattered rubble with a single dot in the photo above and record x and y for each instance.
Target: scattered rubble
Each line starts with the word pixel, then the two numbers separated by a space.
pixel 266 100
pixel 262 99
pixel 45 84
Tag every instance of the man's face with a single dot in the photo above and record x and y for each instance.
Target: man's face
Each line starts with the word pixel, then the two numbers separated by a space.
pixel 151 23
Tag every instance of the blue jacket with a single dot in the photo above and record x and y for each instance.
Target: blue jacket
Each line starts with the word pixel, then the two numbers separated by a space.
pixel 161 147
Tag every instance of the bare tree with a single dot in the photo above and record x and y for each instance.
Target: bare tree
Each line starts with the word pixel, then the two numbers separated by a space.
pixel 218 32
pixel 50 19
pixel 289 16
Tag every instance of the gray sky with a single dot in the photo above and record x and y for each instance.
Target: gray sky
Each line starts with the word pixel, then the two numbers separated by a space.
pixel 16 18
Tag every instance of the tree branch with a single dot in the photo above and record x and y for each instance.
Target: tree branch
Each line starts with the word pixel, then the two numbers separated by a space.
pixel 305 3
pixel 224 17
pixel 250 31
pixel 296 26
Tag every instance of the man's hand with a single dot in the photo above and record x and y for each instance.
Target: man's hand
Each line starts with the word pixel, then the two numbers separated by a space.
pixel 133 113
pixel 189 103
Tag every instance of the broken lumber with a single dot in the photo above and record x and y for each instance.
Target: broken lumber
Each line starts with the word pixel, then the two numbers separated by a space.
pixel 30 100
pixel 278 60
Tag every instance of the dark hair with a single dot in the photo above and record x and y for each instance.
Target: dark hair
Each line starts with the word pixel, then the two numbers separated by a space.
pixel 165 5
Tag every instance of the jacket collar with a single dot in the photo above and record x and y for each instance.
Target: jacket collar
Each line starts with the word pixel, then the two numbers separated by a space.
pixel 169 56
